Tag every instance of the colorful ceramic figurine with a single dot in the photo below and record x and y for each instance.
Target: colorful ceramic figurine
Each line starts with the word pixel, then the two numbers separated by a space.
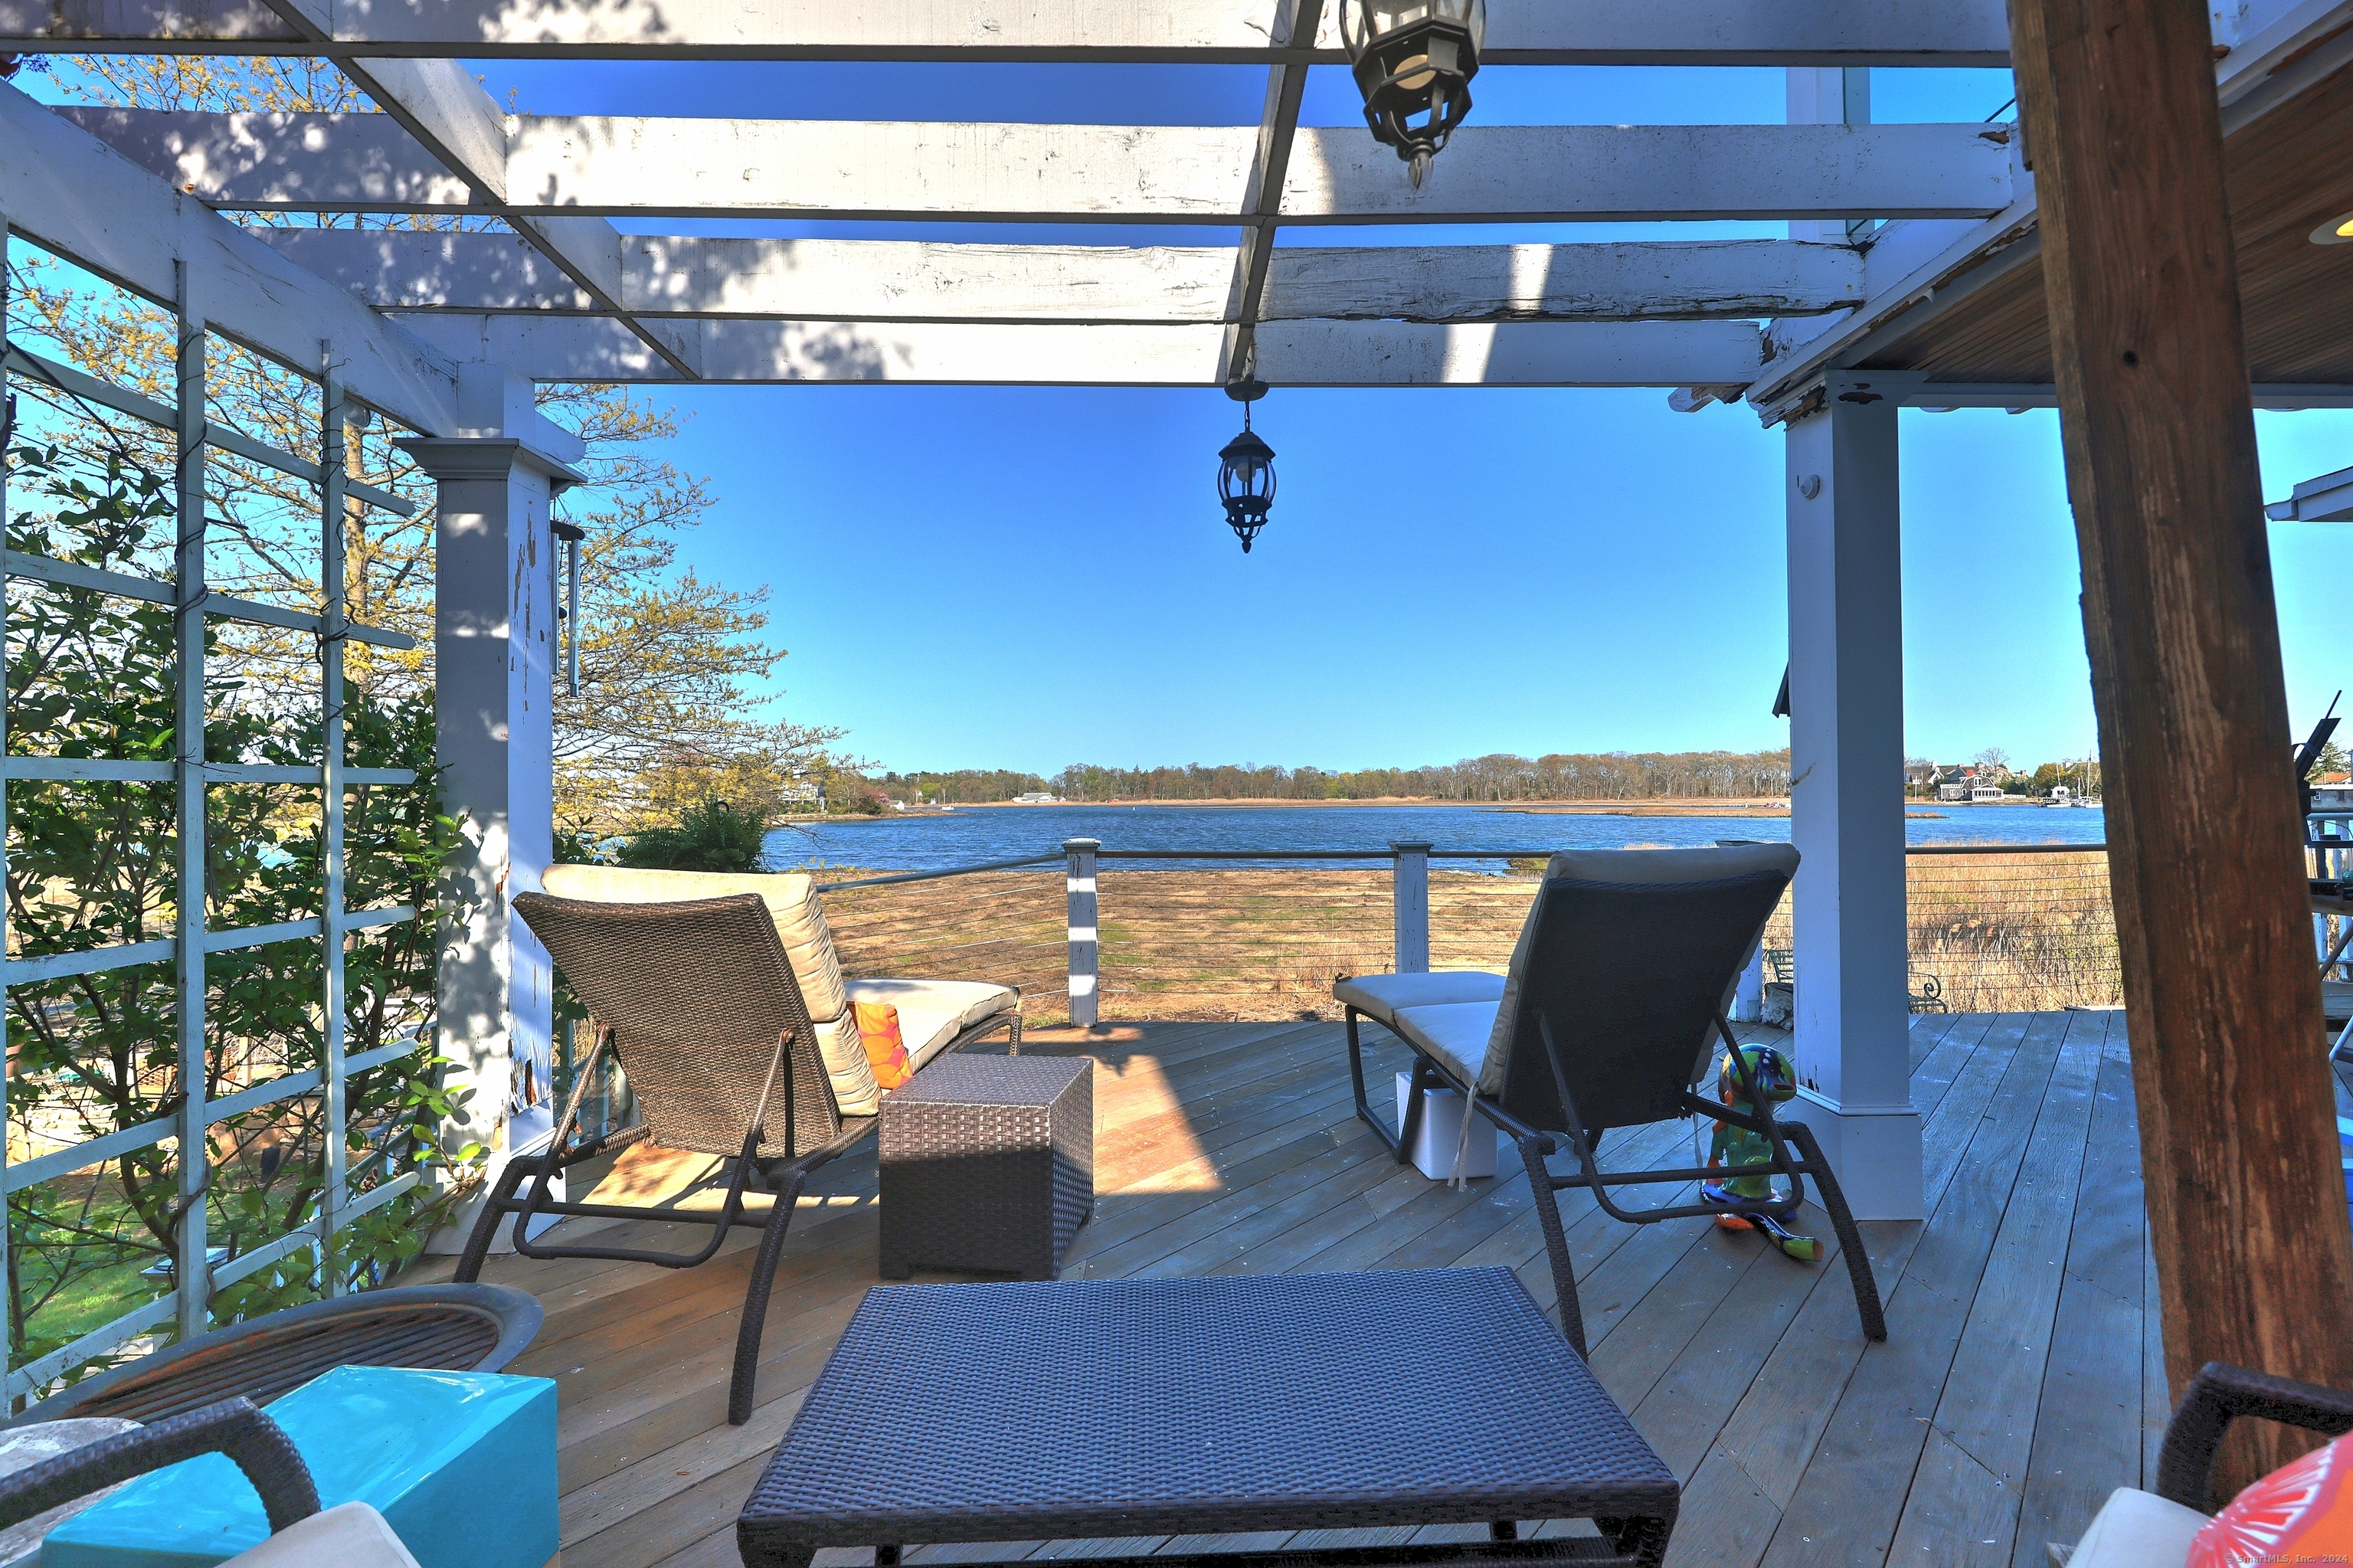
pixel 1769 1071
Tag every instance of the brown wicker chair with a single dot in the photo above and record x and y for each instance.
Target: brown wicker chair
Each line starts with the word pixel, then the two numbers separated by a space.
pixel 698 1003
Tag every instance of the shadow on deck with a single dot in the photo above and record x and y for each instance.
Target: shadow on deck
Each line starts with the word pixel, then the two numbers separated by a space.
pixel 2021 1379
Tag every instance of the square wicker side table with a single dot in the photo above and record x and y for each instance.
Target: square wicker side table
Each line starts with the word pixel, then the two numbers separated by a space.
pixel 988 1162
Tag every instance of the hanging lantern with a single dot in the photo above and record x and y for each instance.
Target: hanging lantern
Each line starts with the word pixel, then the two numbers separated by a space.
pixel 1413 60
pixel 1246 470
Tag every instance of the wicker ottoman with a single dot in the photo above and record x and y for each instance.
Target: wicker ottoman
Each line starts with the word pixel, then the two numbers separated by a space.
pixel 988 1162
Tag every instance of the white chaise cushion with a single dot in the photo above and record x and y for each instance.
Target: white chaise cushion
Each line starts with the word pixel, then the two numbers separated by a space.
pixel 932 1012
pixel 793 904
pixel 1379 997
pixel 353 1535
pixel 1452 1035
pixel 2137 1529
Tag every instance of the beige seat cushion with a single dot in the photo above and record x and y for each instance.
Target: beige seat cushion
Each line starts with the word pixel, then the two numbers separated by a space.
pixel 353 1535
pixel 1452 1035
pixel 793 902
pixel 1379 997
pixel 2137 1529
pixel 932 1012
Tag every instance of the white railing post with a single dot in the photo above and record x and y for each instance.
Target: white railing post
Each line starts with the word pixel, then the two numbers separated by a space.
pixel 1412 893
pixel 1086 954
pixel 1748 995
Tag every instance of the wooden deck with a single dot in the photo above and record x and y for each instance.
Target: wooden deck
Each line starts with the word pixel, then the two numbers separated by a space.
pixel 2020 1380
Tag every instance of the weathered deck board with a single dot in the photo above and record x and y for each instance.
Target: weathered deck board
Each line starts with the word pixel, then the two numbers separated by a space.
pixel 2015 1390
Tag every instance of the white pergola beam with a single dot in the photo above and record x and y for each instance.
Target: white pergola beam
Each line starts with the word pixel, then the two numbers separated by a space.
pixel 899 281
pixel 911 170
pixel 1556 32
pixel 1300 354
pixel 448 114
pixel 76 196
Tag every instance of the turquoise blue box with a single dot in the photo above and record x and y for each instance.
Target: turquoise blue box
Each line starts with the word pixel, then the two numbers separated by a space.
pixel 461 1465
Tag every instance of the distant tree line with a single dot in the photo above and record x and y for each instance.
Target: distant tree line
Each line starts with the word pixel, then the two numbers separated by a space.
pixel 1561 776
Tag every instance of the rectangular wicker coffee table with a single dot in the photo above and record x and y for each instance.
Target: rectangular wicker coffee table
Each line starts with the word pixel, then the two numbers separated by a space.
pixel 988 1162
pixel 1086 1409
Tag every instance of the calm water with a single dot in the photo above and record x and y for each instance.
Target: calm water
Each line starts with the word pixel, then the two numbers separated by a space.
pixel 977 834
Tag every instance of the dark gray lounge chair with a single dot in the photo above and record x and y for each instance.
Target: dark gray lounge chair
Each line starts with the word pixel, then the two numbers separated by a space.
pixel 1612 1010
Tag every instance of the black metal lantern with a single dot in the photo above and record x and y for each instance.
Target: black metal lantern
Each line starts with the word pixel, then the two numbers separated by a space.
pixel 1413 60
pixel 1246 470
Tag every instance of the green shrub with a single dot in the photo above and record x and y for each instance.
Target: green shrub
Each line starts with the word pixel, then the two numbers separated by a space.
pixel 711 836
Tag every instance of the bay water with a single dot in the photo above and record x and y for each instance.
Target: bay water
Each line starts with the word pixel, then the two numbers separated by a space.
pixel 974 835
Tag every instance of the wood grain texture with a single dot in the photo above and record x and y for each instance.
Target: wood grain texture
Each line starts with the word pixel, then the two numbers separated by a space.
pixel 2287 172
pixel 1797 1443
pixel 2247 1213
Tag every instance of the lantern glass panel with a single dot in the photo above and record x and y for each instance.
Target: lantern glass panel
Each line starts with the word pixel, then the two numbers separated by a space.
pixel 1362 21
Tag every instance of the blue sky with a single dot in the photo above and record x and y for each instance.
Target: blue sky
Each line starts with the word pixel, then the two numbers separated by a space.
pixel 1030 578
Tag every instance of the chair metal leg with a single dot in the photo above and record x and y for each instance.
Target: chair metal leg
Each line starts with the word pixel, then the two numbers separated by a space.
pixel 1356 1078
pixel 486 1224
pixel 1858 1262
pixel 755 1304
pixel 1409 1124
pixel 1533 1151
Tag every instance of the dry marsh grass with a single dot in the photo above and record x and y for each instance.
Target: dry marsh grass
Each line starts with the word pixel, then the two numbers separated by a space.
pixel 1998 933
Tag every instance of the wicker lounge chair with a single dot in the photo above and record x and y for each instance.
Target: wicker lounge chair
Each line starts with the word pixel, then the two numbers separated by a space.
pixel 1613 1009
pixel 934 1015
pixel 2134 1529
pixel 699 1003
pixel 352 1536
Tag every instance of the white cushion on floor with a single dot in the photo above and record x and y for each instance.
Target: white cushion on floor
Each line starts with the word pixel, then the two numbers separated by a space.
pixel 353 1535
pixel 2137 1529
pixel 1452 1035
pixel 1380 996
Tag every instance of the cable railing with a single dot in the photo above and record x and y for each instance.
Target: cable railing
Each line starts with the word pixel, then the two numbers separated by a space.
pixel 1249 934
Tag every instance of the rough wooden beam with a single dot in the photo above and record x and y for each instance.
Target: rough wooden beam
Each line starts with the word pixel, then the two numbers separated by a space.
pixel 1290 354
pixel 893 169
pixel 1559 32
pixel 1916 269
pixel 874 279
pixel 2238 1148
pixel 77 197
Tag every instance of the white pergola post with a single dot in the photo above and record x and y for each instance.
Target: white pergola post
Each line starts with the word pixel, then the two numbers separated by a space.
pixel 1846 765
pixel 495 650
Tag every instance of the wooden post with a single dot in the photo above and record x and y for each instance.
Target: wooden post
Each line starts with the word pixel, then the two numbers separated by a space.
pixel 1411 892
pixel 2239 1155
pixel 1086 1001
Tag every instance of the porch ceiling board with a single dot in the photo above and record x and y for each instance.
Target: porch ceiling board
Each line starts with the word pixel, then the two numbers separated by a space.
pixel 1290 354
pixel 1560 32
pixel 2288 173
pixel 823 280
pixel 882 170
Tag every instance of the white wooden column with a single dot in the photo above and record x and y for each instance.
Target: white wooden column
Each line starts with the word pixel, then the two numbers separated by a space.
pixel 495 650
pixel 1846 764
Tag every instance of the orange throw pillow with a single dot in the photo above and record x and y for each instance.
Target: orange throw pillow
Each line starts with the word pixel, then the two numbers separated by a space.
pixel 886 1053
pixel 2301 1512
